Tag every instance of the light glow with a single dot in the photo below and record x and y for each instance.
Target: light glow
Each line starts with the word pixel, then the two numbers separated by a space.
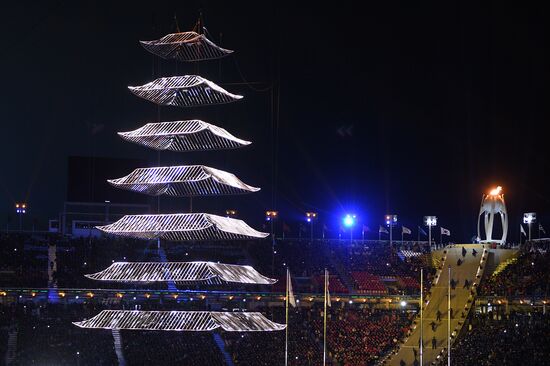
pixel 529 217
pixel 496 191
pixel 271 215
pixel 349 220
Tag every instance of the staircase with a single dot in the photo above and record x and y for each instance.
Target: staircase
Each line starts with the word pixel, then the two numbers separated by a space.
pixel 118 347
pixel 12 347
pixel 472 269
pixel 341 271
pixel 221 346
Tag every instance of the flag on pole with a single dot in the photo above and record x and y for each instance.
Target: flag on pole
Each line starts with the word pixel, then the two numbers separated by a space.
pixel 405 230
pixel 445 232
pixel 421 231
pixel 522 229
pixel 290 293
pixel 383 230
pixel 541 229
pixel 289 300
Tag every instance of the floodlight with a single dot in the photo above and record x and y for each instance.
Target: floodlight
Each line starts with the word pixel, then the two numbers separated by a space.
pixel 529 217
pixel 349 220
pixel 430 220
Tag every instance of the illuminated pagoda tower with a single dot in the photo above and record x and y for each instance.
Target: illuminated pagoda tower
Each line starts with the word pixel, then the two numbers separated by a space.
pixel 182 181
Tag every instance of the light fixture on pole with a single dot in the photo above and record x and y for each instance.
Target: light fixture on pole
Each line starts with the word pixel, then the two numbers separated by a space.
pixel 529 218
pixel 231 213
pixel 349 222
pixel 391 221
pixel 271 216
pixel 430 221
pixel 20 209
pixel 310 217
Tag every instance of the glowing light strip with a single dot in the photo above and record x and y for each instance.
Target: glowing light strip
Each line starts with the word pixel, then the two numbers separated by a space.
pixel 190 135
pixel 192 321
pixel 185 46
pixel 182 227
pixel 183 181
pixel 209 272
pixel 184 91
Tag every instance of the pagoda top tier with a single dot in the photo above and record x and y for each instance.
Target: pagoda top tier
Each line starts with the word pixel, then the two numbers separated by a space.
pixel 185 46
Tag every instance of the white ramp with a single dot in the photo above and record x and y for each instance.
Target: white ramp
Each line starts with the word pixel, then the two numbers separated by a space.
pixel 471 269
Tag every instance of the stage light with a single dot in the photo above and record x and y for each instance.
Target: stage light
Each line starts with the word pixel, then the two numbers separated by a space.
pixel 403 303
pixel 271 215
pixel 310 216
pixel 349 220
pixel 21 208
pixel 391 220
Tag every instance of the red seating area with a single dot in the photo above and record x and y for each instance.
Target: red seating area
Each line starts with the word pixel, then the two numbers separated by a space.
pixel 409 282
pixel 368 283
pixel 335 286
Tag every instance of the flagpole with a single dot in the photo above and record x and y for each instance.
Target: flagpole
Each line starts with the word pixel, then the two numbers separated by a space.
pixel 449 319
pixel 286 317
pixel 430 236
pixel 421 319
pixel 401 235
pixel 325 324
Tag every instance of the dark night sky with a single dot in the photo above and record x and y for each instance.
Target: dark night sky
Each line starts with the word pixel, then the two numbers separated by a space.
pixel 438 102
